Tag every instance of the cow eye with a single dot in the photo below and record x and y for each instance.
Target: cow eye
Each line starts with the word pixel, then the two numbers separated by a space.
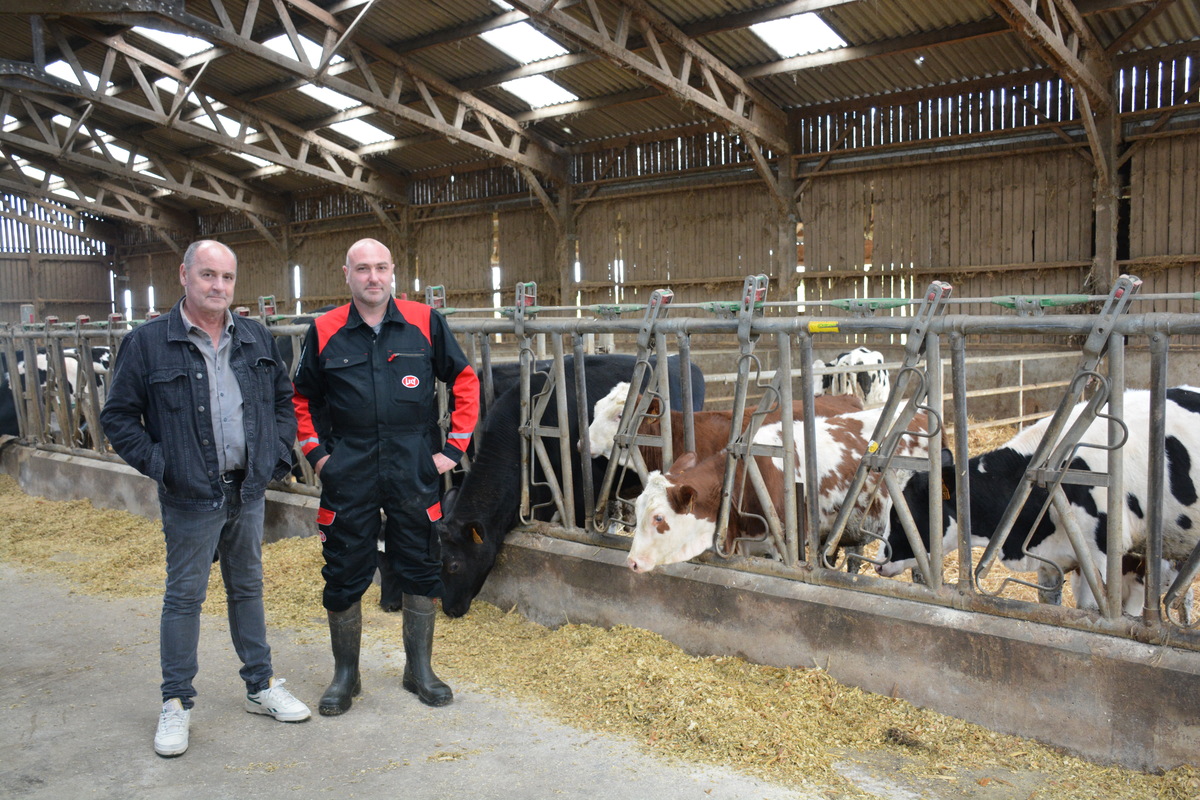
pixel 452 567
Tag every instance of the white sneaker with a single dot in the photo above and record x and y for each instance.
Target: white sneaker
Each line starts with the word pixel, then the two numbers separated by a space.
pixel 172 736
pixel 278 702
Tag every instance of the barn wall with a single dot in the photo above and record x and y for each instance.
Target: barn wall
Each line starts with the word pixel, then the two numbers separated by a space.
pixel 525 252
pixel 1018 224
pixel 457 253
pixel 1164 218
pixel 700 243
pixel 1000 224
pixel 1014 225
pixel 65 286
pixel 160 270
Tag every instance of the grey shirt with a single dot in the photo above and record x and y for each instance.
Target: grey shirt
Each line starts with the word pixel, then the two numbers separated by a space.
pixel 224 395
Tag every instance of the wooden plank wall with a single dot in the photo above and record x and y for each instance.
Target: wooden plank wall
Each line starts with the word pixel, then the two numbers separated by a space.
pixel 1017 225
pixel 457 253
pixel 1006 224
pixel 67 286
pixel 525 243
pixel 1164 225
pixel 701 244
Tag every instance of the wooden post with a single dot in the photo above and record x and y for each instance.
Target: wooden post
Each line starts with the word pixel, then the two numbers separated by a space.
pixel 39 309
pixel 564 247
pixel 1105 201
pixel 784 265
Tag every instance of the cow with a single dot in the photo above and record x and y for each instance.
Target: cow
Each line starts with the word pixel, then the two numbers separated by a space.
pixel 76 385
pixel 1133 586
pixel 677 511
pixel 8 405
pixel 996 475
pixel 872 386
pixel 711 428
pixel 488 503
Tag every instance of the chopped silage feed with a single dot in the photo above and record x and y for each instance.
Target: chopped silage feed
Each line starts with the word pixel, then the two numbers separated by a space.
pixel 795 727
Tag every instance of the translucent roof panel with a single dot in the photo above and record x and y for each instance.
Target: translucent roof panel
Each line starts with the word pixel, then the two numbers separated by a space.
pixel 797 35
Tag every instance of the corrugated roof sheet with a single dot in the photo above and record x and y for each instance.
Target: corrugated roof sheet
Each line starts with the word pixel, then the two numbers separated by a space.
pixel 894 46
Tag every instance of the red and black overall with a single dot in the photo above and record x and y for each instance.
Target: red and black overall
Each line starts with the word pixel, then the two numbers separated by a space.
pixel 368 401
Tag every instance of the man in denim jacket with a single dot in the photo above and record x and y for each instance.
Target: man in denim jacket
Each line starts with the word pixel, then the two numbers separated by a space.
pixel 200 401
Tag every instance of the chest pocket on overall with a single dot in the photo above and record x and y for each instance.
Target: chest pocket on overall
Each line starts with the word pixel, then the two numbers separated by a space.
pixel 410 379
pixel 350 384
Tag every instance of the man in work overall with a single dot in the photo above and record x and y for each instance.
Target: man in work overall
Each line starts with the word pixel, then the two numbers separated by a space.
pixel 367 412
pixel 200 402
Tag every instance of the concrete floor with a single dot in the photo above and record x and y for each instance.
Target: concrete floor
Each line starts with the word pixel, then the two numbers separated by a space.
pixel 79 703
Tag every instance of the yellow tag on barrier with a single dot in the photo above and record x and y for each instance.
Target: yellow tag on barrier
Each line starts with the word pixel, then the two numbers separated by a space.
pixel 823 326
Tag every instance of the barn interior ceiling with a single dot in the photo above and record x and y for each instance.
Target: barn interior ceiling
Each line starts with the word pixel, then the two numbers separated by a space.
pixel 148 113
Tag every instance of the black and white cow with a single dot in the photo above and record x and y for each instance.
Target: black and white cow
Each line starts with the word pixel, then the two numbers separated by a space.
pixel 996 475
pixel 8 405
pixel 488 502
pixel 872 386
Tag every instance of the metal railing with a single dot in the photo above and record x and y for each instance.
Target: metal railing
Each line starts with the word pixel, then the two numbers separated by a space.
pixel 59 411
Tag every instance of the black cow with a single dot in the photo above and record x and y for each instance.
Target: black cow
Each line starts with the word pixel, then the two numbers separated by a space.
pixel 8 405
pixel 487 506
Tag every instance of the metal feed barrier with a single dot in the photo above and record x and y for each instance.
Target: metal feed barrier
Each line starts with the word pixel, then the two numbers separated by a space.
pixel 60 414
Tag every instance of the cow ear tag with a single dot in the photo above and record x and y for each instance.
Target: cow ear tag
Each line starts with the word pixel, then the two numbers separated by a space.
pixel 945 492
pixel 475 537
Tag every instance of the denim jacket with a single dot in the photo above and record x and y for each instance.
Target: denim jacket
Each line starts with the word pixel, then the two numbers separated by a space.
pixel 157 420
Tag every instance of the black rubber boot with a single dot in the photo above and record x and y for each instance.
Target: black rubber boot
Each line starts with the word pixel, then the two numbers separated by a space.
pixel 418 645
pixel 345 634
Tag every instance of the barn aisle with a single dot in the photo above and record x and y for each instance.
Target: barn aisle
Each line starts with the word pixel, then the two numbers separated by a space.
pixel 79 702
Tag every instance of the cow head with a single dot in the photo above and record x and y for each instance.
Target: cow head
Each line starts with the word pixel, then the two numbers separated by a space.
pixel 674 522
pixel 916 494
pixel 606 416
pixel 468 555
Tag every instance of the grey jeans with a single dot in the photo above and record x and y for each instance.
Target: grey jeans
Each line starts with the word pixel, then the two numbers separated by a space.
pixel 234 532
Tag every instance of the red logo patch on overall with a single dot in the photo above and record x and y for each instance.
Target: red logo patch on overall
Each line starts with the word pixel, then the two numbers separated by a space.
pixel 411 381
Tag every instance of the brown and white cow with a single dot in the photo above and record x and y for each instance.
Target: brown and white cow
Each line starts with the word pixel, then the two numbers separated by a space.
pixel 677 511
pixel 711 427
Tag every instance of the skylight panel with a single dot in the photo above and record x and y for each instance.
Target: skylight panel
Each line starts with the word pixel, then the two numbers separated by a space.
pixel 61 69
pixel 229 127
pixel 539 91
pixel 115 151
pixel 361 132
pixel 523 43
pixel 175 42
pixel 798 35
pixel 312 51
pixel 32 171
pixel 335 100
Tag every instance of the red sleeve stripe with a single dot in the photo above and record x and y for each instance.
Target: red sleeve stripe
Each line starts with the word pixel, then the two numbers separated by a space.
pixel 327 325
pixel 306 432
pixel 466 408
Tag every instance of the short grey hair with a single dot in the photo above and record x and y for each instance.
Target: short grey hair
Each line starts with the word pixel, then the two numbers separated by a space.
pixel 189 255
